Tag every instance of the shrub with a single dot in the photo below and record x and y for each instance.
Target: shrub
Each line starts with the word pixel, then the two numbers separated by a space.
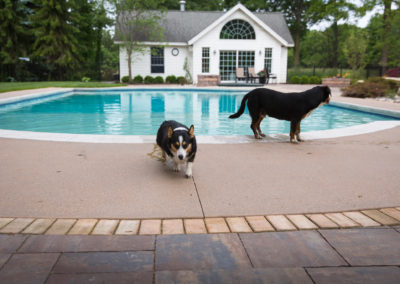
pixel 85 79
pixel 171 79
pixel 138 79
pixel 148 79
pixel 372 88
pixel 181 80
pixel 315 80
pixel 304 80
pixel 158 80
pixel 295 80
pixel 125 79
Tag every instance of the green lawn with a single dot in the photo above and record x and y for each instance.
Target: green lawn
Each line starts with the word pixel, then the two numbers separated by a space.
pixel 16 86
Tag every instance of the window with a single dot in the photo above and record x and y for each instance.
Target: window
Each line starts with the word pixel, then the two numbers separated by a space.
pixel 237 29
pixel 268 59
pixel 157 60
pixel 205 60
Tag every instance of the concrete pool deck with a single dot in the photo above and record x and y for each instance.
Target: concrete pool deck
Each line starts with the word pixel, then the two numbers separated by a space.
pixel 69 212
pixel 46 179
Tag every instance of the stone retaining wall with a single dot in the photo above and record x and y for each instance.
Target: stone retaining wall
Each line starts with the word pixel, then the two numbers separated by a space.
pixel 208 80
pixel 336 82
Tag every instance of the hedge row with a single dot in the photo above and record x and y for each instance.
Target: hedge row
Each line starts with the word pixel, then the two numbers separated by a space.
pixel 305 80
pixel 171 79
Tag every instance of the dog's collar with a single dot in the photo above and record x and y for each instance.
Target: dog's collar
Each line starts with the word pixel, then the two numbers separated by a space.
pixel 180 128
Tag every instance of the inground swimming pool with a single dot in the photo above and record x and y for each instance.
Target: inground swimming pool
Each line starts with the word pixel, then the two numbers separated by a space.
pixel 140 112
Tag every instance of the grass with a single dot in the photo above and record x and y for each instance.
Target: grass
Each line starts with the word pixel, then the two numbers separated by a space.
pixel 330 72
pixel 17 86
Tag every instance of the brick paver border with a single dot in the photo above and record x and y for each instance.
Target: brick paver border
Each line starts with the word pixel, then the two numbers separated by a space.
pixel 210 225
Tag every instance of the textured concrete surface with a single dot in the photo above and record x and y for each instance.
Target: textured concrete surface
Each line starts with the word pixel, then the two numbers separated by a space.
pixel 78 180
pixel 44 179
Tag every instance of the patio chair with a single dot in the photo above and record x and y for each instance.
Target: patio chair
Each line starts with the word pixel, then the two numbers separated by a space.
pixel 273 78
pixel 240 74
pixel 252 74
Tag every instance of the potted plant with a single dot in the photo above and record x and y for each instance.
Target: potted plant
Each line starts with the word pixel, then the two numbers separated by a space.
pixel 262 76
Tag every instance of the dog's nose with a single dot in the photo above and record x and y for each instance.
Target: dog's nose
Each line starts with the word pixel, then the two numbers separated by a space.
pixel 180 157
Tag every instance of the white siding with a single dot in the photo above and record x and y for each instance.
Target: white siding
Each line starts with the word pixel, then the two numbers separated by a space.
pixel 262 41
pixel 174 64
pixel 141 65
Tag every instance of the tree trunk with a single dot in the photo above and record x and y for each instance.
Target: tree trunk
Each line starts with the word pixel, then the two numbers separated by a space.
pixel 335 43
pixel 98 53
pixel 129 64
pixel 297 37
pixel 386 31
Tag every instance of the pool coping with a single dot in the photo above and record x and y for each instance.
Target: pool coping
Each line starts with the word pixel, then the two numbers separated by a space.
pixel 205 139
pixel 368 218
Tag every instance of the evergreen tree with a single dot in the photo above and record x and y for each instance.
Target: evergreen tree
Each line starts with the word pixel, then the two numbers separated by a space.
pixel 11 34
pixel 55 33
pixel 100 22
pixel 82 18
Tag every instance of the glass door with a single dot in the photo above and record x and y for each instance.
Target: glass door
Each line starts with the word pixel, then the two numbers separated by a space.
pixel 246 59
pixel 227 65
pixel 230 59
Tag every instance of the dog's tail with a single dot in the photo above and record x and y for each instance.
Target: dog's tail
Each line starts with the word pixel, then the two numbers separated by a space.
pixel 241 109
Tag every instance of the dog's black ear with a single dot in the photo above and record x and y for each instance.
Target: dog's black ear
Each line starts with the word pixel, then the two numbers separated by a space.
pixel 170 131
pixel 191 131
pixel 328 90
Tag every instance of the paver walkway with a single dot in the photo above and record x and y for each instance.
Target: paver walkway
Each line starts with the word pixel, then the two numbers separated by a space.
pixel 323 256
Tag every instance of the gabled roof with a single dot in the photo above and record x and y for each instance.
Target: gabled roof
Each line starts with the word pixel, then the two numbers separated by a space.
pixel 187 26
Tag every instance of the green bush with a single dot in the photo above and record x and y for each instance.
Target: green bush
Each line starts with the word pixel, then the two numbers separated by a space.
pixel 372 88
pixel 138 79
pixel 158 80
pixel 125 79
pixel 295 80
pixel 171 79
pixel 85 79
pixel 148 79
pixel 315 80
pixel 181 80
pixel 304 79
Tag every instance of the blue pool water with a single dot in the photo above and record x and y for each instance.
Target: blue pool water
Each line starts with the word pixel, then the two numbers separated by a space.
pixel 142 112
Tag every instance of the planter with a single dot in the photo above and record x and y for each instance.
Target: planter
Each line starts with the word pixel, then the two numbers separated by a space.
pixel 262 80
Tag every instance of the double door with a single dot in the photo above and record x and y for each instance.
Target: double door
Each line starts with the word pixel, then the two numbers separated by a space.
pixel 229 60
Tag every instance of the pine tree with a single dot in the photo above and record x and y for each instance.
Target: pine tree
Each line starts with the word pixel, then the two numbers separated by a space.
pixel 11 33
pixel 55 33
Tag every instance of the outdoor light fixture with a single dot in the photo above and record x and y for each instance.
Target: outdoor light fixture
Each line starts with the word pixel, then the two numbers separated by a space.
pixel 259 53
pixel 214 52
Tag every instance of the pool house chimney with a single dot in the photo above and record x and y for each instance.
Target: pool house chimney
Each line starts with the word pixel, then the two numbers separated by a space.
pixel 182 2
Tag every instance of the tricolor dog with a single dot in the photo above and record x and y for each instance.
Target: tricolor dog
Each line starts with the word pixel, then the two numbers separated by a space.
pixel 178 144
pixel 285 106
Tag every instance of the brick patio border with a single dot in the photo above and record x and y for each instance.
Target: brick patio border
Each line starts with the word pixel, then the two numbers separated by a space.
pixel 211 225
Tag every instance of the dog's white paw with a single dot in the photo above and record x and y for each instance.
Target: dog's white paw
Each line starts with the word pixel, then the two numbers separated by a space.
pixel 188 173
pixel 176 168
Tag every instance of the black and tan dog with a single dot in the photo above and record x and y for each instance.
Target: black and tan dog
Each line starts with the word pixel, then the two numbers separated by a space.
pixel 178 143
pixel 285 106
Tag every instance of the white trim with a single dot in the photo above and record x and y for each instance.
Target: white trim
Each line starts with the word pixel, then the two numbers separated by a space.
pixel 250 15
pixel 219 139
pixel 146 43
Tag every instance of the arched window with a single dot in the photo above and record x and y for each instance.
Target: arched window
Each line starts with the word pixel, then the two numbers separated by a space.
pixel 237 29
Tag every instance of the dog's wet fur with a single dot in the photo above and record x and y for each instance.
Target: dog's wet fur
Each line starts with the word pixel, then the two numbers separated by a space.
pixel 178 145
pixel 285 106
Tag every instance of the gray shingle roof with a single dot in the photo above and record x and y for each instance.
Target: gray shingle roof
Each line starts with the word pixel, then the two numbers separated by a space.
pixel 183 26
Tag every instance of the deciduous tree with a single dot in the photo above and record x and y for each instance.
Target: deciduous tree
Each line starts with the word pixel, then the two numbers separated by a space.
pixel 136 20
